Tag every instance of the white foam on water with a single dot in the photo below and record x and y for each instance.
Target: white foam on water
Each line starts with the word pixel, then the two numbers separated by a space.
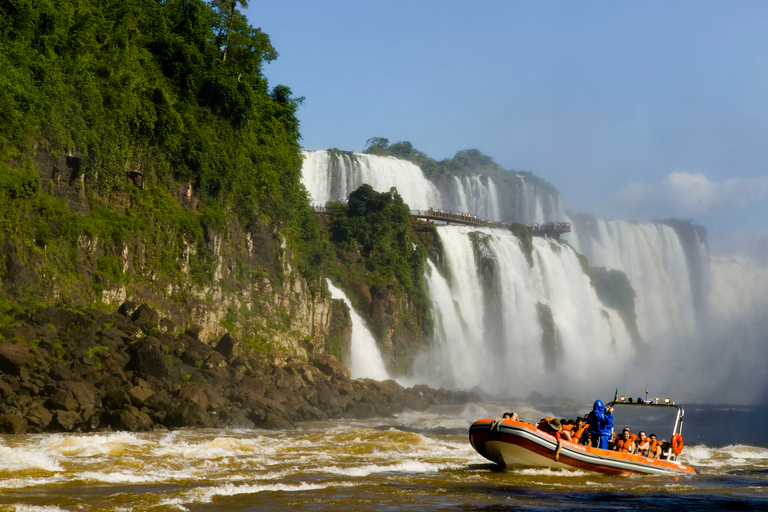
pixel 122 477
pixel 206 495
pixel 410 466
pixel 35 508
pixel 20 459
pixel 91 445
pixel 22 483
pixel 727 456
pixel 218 448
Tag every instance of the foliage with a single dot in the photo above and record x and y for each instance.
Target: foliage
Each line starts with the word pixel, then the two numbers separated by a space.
pixel 525 235
pixel 377 226
pixel 141 85
pixel 615 291
pixel 172 91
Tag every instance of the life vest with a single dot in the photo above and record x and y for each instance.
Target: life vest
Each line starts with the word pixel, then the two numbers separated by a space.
pixel 578 432
pixel 624 445
pixel 652 449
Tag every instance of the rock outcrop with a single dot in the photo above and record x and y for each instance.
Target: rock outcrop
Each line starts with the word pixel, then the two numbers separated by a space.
pixel 62 370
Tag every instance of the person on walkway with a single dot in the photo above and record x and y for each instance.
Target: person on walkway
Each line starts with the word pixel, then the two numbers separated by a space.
pixel 600 422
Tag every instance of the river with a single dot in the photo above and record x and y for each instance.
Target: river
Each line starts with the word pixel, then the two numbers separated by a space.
pixel 414 461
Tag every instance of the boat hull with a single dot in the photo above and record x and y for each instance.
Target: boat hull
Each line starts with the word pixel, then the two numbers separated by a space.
pixel 514 443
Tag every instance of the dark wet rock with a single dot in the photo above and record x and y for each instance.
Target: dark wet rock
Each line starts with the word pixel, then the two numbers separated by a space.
pixel 230 347
pixel 134 420
pixel 145 314
pixel 38 416
pixel 65 421
pixel 193 331
pixel 94 370
pixel 12 424
pixel 14 357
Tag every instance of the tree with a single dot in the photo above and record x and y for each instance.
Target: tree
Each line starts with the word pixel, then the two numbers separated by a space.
pixel 232 6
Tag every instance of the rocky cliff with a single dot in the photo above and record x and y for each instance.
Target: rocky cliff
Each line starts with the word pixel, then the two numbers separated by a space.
pixel 62 370
pixel 148 246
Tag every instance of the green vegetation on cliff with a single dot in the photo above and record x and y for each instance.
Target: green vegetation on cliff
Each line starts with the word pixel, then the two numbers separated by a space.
pixel 615 291
pixel 143 155
pixel 141 87
pixel 378 248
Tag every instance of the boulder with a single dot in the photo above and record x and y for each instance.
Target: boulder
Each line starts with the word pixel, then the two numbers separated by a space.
pixel 38 416
pixel 134 420
pixel 12 424
pixel 230 347
pixel 65 420
pixel 144 315
pixel 149 358
pixel 330 366
pixel 13 357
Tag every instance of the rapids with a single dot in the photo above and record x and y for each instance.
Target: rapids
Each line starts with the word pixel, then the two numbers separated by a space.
pixel 414 461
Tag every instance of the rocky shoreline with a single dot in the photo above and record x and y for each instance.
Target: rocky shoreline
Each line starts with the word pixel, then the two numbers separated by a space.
pixel 68 371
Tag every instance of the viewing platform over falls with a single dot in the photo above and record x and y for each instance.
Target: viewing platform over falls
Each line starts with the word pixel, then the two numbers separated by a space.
pixel 547 230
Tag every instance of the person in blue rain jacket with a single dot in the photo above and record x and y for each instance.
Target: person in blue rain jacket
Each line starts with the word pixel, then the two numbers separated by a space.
pixel 600 422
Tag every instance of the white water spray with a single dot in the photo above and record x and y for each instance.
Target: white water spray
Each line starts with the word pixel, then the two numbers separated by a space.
pixel 366 357
pixel 489 322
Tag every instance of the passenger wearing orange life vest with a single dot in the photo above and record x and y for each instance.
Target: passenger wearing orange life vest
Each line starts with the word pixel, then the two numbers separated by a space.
pixel 654 451
pixel 625 443
pixel 643 444
pixel 578 430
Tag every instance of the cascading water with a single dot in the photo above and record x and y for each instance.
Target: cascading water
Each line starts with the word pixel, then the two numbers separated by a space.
pixel 503 324
pixel 476 196
pixel 332 177
pixel 654 261
pixel 366 357
pixel 511 327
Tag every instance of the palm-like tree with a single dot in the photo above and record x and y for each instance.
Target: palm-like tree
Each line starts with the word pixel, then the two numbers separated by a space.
pixel 232 6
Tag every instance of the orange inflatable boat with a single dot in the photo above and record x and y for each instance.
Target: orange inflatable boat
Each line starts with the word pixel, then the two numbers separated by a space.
pixel 515 443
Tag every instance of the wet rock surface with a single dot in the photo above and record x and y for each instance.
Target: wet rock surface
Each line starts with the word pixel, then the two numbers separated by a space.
pixel 63 371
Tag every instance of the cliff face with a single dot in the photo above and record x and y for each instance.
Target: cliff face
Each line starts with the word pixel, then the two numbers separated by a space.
pixel 148 247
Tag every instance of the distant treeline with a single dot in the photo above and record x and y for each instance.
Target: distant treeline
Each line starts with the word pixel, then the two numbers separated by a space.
pixel 466 162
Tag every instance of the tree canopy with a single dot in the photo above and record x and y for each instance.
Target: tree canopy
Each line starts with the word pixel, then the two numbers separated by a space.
pixel 173 89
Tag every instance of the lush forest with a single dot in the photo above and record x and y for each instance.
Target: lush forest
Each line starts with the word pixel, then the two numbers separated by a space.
pixel 142 148
pixel 170 90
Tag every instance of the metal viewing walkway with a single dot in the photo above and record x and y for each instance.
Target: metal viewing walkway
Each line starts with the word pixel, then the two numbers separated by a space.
pixel 547 230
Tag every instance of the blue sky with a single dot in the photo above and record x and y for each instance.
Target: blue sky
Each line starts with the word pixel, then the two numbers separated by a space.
pixel 633 110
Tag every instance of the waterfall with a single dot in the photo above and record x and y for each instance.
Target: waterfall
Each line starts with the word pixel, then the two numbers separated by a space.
pixel 654 260
pixel 512 323
pixel 476 196
pixel 366 357
pixel 492 309
pixel 331 177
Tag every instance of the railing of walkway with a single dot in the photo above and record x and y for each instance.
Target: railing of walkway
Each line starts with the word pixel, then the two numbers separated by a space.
pixel 547 228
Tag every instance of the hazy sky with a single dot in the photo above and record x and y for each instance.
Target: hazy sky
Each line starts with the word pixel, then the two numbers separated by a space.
pixel 633 110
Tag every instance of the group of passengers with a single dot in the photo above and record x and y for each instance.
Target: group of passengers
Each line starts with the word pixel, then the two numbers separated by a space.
pixel 596 430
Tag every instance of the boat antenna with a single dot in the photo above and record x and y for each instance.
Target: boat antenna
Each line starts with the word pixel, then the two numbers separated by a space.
pixel 646 395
